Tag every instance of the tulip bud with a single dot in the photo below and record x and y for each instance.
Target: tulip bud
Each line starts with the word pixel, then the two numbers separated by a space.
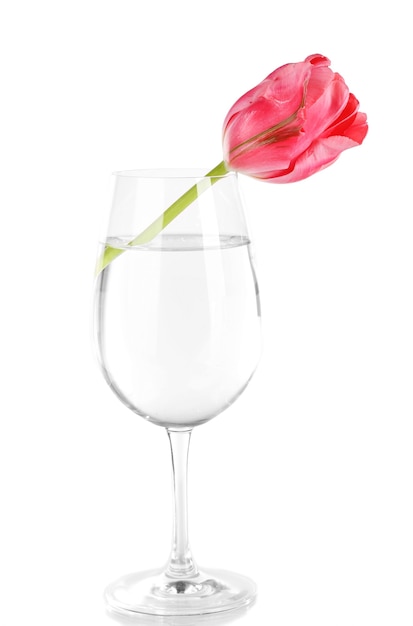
pixel 293 124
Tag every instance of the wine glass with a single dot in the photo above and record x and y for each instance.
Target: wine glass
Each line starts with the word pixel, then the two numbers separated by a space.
pixel 178 338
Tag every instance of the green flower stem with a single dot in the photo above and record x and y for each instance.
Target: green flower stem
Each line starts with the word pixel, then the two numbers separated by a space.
pixel 109 253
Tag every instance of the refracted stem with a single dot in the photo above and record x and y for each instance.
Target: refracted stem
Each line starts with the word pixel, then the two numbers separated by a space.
pixel 109 253
pixel 181 564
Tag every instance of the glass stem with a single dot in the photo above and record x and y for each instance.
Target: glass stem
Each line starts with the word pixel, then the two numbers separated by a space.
pixel 181 564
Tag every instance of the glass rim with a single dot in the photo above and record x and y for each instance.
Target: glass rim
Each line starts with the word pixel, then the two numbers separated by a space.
pixel 170 172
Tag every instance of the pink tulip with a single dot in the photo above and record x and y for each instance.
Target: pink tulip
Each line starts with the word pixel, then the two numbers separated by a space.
pixel 293 124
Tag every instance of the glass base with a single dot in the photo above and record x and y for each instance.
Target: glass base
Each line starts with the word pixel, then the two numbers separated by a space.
pixel 155 593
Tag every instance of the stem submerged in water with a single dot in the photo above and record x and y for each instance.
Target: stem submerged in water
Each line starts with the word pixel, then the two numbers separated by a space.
pixel 109 253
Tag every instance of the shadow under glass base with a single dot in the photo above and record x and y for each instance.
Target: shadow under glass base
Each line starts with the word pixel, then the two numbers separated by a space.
pixel 155 593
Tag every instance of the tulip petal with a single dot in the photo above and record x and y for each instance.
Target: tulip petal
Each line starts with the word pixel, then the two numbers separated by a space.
pixel 270 103
pixel 322 153
pixel 350 122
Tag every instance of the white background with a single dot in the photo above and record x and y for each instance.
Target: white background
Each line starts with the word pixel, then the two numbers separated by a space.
pixel 306 483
